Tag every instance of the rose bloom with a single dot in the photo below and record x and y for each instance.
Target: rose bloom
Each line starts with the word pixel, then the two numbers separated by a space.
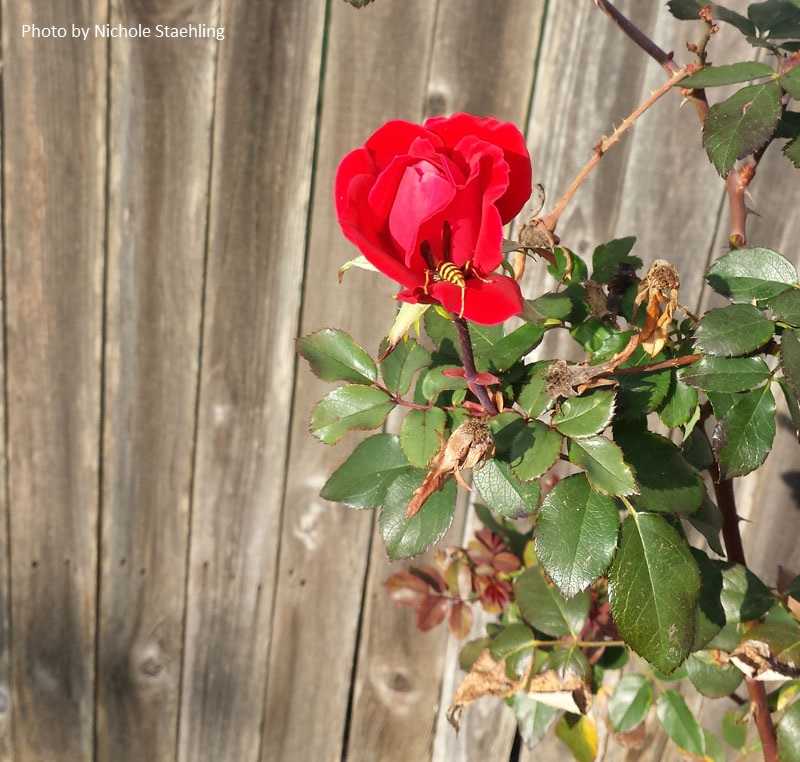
pixel 426 206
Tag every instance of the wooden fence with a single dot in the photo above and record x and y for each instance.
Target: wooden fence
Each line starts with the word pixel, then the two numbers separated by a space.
pixel 171 585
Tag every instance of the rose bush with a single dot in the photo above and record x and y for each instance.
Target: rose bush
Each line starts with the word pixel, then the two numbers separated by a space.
pixel 426 206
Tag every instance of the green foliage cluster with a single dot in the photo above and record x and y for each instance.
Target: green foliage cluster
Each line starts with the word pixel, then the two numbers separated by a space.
pixel 603 471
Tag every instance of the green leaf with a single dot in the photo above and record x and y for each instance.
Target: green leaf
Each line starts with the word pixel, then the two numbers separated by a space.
pixel 534 450
pixel 744 596
pixel 792 152
pixel 576 534
pixel 604 466
pixel 347 408
pixel 579 734
pixel 515 346
pixel 741 124
pixel 405 538
pixel 793 405
pixel 585 415
pixel 435 381
pixel 776 19
pixel 608 256
pixel 555 306
pixel 790 360
pixel 628 705
pixel 689 10
pixel 654 586
pixel 697 450
pixel 543 606
pixel 734 733
pixel 641 393
pixel 512 639
pixel 419 435
pixel 786 305
pixel 710 612
pixel 400 365
pixel 667 483
pixel 743 438
pixel 362 480
pixel 790 82
pixel 680 724
pixel 788 734
pixel 679 405
pixel 707 520
pixel 533 398
pixel 747 274
pixel 723 374
pixel 503 492
pixel 711 678
pixel 334 356
pixel 504 428
pixel 358 4
pixel 734 330
pixel 534 718
pixel 730 74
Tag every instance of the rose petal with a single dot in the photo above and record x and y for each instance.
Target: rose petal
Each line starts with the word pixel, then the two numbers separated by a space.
pixel 487 303
pixel 502 134
pixel 395 139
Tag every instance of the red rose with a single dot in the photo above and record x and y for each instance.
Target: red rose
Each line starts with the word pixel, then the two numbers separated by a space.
pixel 426 205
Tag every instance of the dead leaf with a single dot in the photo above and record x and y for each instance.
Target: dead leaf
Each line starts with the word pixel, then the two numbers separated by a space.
pixel 658 289
pixel 756 660
pixel 567 691
pixel 487 677
pixel 470 444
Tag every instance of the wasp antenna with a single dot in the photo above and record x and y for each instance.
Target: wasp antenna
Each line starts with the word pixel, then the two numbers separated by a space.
pixel 427 254
pixel 447 237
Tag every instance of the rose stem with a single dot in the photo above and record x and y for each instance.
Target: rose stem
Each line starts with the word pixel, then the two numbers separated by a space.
pixel 551 220
pixel 470 372
pixel 723 490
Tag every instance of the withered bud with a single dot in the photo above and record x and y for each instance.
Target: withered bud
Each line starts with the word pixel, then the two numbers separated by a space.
pixel 469 445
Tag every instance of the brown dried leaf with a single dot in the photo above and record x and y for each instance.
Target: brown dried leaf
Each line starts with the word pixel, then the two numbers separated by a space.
pixel 756 660
pixel 658 288
pixel 487 677
pixel 470 444
pixel 567 691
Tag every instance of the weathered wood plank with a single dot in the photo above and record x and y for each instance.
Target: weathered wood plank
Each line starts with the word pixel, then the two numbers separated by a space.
pixel 371 76
pixel 267 90
pixel 5 569
pixel 54 109
pixel 159 132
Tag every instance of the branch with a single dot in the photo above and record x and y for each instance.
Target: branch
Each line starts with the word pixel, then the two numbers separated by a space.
pixel 470 372
pixel 723 490
pixel 551 220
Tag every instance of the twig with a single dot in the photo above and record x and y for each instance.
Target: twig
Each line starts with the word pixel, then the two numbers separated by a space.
pixel 470 372
pixel 551 220
pixel 675 362
pixel 737 180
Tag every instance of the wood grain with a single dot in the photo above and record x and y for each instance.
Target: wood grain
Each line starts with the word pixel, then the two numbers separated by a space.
pixel 160 142
pixel 267 90
pixel 54 109
pixel 375 70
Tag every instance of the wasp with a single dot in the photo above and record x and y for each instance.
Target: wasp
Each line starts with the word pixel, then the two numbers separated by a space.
pixel 445 271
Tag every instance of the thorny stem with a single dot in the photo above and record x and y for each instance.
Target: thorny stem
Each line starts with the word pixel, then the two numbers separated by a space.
pixel 723 490
pixel 737 180
pixel 470 372
pixel 675 362
pixel 551 220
